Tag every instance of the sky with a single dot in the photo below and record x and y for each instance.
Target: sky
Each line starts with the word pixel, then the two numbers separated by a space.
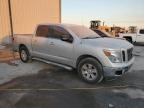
pixel 113 12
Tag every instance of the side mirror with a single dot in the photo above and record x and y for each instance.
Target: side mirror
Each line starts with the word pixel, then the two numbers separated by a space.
pixel 67 38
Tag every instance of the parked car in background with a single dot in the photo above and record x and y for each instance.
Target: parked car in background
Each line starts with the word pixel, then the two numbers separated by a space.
pixel 76 47
pixel 134 37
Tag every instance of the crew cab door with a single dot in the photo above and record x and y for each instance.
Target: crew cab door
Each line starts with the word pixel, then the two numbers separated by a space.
pixel 61 45
pixel 40 43
pixel 140 36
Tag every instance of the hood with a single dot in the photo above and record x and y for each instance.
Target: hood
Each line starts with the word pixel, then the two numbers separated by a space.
pixel 111 43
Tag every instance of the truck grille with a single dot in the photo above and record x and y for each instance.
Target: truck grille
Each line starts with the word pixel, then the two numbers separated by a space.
pixel 127 54
pixel 130 54
pixel 124 56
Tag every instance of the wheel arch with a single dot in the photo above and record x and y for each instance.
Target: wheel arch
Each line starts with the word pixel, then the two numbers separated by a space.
pixel 22 45
pixel 86 56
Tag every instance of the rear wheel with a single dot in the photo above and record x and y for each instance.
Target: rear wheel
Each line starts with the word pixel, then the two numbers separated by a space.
pixel 24 54
pixel 90 70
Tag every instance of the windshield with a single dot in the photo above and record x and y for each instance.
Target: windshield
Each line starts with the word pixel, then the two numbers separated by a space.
pixel 83 32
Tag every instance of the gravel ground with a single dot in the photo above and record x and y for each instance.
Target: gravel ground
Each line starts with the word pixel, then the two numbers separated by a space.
pixel 39 85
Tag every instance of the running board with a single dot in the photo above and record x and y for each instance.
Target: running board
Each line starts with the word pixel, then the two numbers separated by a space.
pixel 56 64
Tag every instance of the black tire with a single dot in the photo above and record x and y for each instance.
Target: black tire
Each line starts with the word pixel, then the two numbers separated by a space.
pixel 27 58
pixel 97 66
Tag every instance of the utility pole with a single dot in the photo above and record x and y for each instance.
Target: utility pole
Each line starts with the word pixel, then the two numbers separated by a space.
pixel 10 18
pixel 11 26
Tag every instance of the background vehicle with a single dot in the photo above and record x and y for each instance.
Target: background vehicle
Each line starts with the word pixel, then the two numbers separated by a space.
pixel 76 47
pixel 96 24
pixel 137 37
pixel 113 31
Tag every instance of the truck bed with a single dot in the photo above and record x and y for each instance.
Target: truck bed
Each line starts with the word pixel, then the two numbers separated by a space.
pixel 22 39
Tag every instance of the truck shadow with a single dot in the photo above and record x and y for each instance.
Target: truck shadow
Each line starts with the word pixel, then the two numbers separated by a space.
pixel 56 78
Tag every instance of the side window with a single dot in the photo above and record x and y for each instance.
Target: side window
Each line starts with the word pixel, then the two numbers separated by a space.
pixel 43 31
pixel 141 31
pixel 59 32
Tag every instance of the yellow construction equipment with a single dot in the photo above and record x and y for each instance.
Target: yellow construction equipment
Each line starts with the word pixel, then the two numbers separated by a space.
pixel 114 31
pixel 96 24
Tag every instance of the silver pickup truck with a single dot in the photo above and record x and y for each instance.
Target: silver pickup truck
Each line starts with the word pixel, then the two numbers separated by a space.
pixel 76 47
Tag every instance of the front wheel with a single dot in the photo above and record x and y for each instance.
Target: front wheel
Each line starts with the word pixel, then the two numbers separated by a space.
pixel 24 54
pixel 90 70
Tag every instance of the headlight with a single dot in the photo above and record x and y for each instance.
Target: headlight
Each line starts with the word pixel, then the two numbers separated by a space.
pixel 113 55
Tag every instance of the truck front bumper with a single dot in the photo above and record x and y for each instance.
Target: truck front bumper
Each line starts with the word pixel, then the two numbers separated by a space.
pixel 118 70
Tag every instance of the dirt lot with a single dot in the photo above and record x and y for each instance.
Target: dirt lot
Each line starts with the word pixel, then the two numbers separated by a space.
pixel 39 85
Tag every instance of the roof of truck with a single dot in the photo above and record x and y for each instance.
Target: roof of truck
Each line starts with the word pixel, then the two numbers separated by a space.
pixel 60 24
